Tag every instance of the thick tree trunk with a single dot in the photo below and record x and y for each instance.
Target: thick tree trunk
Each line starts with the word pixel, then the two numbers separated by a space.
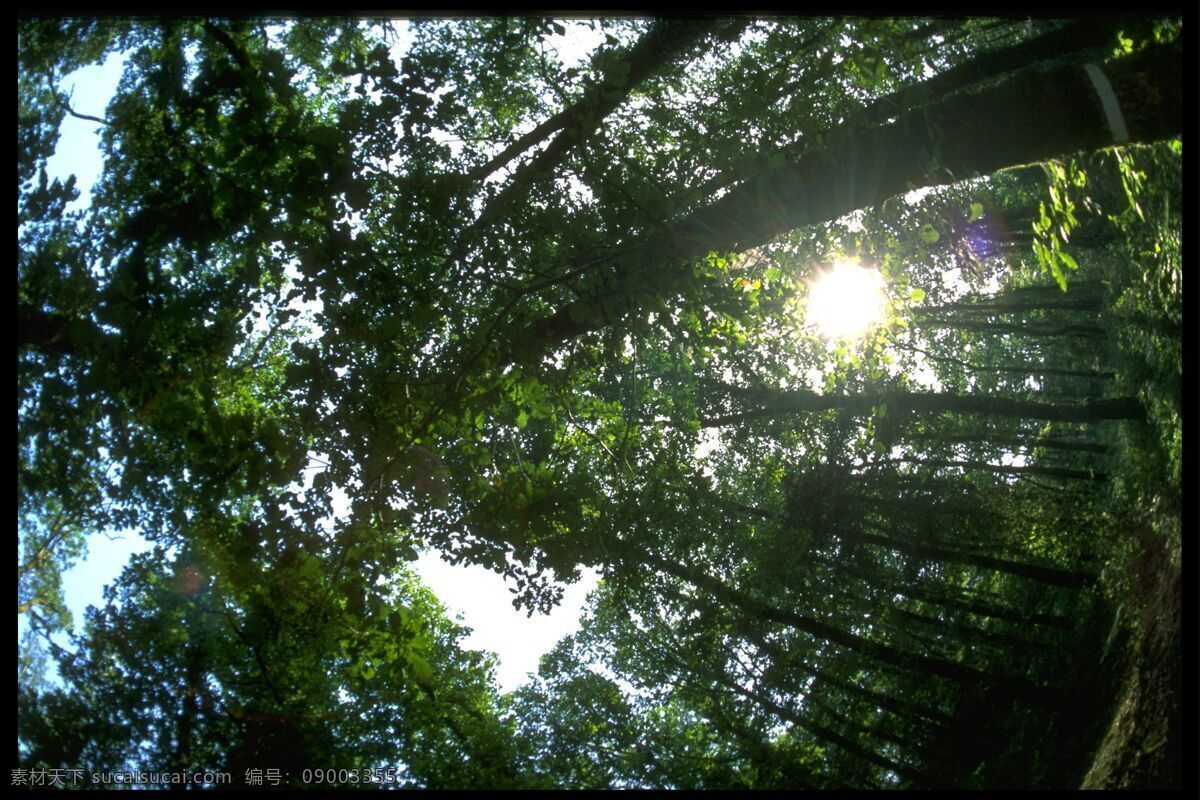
pixel 1073 37
pixel 1000 440
pixel 1000 306
pixel 1003 469
pixel 1014 369
pixel 779 403
pixel 998 328
pixel 1039 113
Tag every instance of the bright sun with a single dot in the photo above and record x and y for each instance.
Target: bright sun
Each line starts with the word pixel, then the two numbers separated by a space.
pixel 845 300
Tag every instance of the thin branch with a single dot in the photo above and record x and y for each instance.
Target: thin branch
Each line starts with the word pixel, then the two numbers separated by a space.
pixel 262 664
pixel 42 628
pixel 66 105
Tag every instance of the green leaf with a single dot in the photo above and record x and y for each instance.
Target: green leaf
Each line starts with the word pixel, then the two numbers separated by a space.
pixel 976 212
pixel 928 233
pixel 916 295
pixel 421 671
pixel 1059 277
pixel 522 419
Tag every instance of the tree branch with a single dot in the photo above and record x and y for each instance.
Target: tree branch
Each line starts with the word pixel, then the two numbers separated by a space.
pixel 66 105
pixel 1039 113
pixel 226 41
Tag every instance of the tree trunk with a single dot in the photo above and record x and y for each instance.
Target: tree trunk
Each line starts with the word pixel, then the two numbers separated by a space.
pixel 832 736
pixel 1049 575
pixel 1005 307
pixel 1071 38
pixel 781 656
pixel 960 602
pixel 1017 369
pixel 997 328
pixel 999 440
pixel 665 40
pixel 779 402
pixel 1004 469
pixel 1039 113
pixel 876 731
pixel 912 662
pixel 182 756
pixel 965 633
pixel 874 698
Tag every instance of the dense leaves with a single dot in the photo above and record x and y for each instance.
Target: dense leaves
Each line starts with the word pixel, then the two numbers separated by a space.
pixel 350 289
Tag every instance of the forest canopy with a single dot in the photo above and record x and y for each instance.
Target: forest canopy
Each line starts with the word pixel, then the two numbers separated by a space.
pixel 352 289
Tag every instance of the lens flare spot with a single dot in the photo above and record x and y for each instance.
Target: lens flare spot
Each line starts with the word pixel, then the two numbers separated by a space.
pixel 188 579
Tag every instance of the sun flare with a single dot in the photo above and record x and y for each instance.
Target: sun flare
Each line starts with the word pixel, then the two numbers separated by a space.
pixel 845 300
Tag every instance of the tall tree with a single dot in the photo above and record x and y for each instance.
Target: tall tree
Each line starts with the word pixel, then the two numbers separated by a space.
pixel 541 314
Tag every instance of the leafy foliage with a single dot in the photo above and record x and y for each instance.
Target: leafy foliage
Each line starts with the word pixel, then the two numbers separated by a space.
pixel 346 291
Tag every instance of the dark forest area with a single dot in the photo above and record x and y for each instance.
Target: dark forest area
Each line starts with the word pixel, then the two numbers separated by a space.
pixel 846 353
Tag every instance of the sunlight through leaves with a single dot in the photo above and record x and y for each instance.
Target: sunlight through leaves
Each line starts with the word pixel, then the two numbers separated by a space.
pixel 845 301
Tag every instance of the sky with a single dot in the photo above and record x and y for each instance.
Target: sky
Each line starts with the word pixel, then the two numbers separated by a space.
pixel 476 597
